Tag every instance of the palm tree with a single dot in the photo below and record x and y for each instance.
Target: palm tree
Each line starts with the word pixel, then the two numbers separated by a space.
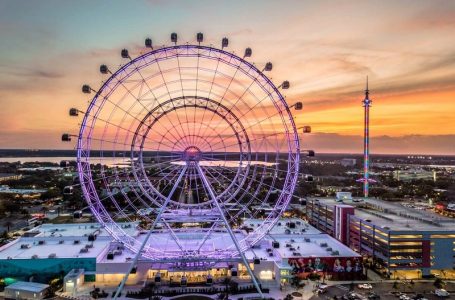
pixel 8 225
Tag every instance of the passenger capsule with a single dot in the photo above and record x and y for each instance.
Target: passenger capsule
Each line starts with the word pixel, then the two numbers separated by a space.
pixel 148 43
pixel 268 66
pixel 86 89
pixel 298 106
pixel 74 112
pixel 68 190
pixel 199 37
pixel 224 42
pixel 306 129
pixel 285 85
pixel 66 137
pixel 248 52
pixel 174 37
pixel 104 69
pixel 125 53
pixel 64 164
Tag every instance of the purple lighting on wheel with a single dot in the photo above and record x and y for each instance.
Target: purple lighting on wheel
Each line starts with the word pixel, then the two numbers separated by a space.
pixel 192 154
pixel 187 135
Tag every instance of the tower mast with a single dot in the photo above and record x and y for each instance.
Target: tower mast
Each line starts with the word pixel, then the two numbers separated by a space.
pixel 366 142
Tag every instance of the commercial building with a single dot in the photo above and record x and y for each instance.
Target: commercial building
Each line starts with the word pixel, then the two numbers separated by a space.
pixel 405 242
pixel 26 290
pixel 330 217
pixel 348 162
pixel 85 253
pixel 416 174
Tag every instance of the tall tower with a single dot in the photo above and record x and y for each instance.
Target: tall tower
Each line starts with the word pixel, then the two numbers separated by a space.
pixel 366 143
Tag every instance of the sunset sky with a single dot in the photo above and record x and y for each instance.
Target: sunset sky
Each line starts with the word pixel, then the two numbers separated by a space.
pixel 48 49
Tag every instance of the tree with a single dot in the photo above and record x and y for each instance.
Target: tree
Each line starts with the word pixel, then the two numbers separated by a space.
pixel 50 194
pixel 395 285
pixel 4 235
pixel 438 283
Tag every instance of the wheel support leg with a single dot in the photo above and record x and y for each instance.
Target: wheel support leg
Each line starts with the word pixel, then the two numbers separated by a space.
pixel 229 229
pixel 141 248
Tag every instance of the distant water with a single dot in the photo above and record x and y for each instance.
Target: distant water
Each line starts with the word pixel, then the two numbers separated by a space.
pixel 109 161
pixel 56 159
pixel 112 161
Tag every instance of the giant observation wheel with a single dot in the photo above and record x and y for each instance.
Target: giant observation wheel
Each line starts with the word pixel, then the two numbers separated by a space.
pixel 188 142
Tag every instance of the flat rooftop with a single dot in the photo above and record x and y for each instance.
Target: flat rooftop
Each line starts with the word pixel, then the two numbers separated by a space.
pixel 283 226
pixel 33 287
pixel 81 229
pixel 312 245
pixel 48 247
pixel 401 218
pixel 397 216
pixel 296 237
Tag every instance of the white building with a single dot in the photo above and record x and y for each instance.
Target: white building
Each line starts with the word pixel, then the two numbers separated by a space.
pixel 26 290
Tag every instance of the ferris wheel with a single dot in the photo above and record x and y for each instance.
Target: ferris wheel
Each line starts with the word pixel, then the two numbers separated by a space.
pixel 188 142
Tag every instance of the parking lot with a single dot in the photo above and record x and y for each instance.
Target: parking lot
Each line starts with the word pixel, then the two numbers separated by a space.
pixel 386 290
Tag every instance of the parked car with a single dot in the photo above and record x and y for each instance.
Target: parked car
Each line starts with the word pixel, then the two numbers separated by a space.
pixel 365 286
pixel 442 293
pixel 373 296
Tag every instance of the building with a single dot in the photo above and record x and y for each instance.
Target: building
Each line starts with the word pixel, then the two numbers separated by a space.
pixel 330 217
pixel 405 242
pixel 72 280
pixel 86 254
pixel 9 176
pixel 342 196
pixel 418 174
pixel 26 290
pixel 348 162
